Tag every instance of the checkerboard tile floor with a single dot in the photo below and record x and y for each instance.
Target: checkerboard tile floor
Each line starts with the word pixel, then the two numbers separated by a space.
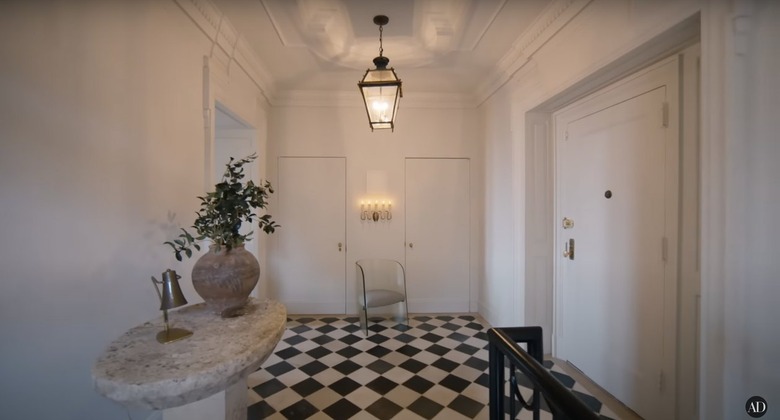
pixel 433 368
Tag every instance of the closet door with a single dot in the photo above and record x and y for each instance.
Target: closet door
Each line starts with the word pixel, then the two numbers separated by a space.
pixel 437 234
pixel 308 258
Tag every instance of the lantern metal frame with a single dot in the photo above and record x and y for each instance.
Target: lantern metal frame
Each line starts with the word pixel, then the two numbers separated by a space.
pixel 375 81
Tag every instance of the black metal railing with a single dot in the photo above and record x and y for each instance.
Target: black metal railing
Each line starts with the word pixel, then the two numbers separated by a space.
pixel 503 346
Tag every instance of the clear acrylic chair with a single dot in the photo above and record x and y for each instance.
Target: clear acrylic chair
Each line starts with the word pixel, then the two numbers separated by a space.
pixel 381 283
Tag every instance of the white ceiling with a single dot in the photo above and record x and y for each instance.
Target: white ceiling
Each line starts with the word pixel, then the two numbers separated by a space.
pixel 435 46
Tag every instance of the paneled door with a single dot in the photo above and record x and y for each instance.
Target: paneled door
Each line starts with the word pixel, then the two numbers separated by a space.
pixel 617 235
pixel 308 256
pixel 437 234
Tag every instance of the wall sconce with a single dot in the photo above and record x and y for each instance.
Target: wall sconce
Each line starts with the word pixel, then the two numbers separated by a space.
pixel 376 210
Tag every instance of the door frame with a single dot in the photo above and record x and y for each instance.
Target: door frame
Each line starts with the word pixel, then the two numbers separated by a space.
pixel 630 87
pixel 540 246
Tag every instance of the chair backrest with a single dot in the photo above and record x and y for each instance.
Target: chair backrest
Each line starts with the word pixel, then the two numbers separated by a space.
pixel 384 274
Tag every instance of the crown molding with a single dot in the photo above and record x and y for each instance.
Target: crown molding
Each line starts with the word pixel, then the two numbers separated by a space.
pixel 557 15
pixel 344 99
pixel 228 45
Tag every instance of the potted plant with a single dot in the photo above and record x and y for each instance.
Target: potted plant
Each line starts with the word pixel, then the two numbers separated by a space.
pixel 225 276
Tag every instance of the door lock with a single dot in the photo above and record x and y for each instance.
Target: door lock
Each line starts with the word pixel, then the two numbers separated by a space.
pixel 568 251
pixel 339 246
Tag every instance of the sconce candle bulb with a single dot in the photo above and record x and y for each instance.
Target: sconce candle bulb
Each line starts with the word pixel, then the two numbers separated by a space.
pixel 376 210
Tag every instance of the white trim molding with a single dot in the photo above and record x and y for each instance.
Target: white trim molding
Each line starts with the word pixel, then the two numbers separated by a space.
pixel 346 99
pixel 557 15
pixel 228 45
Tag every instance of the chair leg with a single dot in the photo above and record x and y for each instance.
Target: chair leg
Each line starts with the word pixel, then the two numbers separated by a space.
pixel 364 320
pixel 401 313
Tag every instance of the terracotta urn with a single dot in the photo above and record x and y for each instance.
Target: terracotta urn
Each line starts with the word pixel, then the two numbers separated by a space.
pixel 224 279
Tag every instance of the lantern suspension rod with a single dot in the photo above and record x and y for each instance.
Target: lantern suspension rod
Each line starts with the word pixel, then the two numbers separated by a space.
pixel 381 50
pixel 381 20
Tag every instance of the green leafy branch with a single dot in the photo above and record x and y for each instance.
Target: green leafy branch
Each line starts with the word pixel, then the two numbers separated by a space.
pixel 223 211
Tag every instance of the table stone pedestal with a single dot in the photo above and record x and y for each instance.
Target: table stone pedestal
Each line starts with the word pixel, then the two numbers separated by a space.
pixel 229 404
pixel 200 377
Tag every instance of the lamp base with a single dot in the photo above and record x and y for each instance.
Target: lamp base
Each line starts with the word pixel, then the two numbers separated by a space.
pixel 172 334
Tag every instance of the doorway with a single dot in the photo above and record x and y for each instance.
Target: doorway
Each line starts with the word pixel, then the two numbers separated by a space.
pixel 617 206
pixel 234 138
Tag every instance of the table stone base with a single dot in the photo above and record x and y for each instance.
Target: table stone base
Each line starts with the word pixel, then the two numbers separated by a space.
pixel 229 404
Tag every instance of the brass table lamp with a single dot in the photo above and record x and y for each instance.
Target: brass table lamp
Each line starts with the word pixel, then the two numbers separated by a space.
pixel 170 298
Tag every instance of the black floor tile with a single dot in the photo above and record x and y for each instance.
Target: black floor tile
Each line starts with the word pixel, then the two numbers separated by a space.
pixel 344 386
pixel 412 365
pixel 438 350
pixel 418 384
pixel 380 366
pixel 341 409
pixel 445 365
pixel 313 368
pixel 299 410
pixel 384 409
pixel 346 367
pixel 466 406
pixel 307 387
pixel 269 388
pixel 381 385
pixel 259 411
pixel 454 383
pixel 280 368
pixel 425 408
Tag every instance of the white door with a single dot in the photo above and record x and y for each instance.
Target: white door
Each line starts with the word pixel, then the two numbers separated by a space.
pixel 617 186
pixel 307 261
pixel 437 235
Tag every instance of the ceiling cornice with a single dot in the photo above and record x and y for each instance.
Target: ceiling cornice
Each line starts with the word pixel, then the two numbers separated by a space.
pixel 339 99
pixel 557 15
pixel 229 46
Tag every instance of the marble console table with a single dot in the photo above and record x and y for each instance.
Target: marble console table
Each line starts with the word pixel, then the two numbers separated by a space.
pixel 200 377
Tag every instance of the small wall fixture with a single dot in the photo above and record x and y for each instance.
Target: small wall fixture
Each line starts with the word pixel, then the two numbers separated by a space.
pixel 381 88
pixel 376 210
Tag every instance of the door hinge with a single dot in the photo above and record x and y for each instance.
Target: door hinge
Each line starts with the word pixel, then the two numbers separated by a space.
pixel 665 114
pixel 207 118
pixel 664 249
pixel 566 135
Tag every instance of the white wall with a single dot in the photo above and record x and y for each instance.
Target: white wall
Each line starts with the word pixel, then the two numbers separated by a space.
pixel 102 135
pixel 343 131
pixel 740 200
pixel 497 290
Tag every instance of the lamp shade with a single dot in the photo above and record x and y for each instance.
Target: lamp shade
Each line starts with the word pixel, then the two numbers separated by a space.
pixel 381 89
pixel 171 297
